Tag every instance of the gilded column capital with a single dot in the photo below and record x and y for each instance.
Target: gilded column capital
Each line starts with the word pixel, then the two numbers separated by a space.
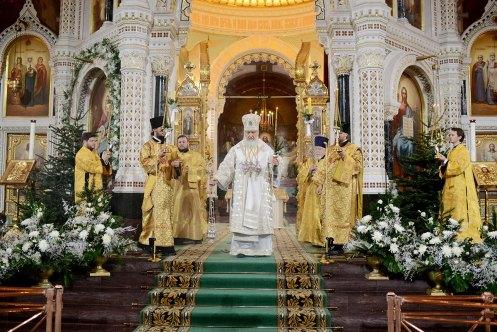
pixel 343 64
pixel 161 66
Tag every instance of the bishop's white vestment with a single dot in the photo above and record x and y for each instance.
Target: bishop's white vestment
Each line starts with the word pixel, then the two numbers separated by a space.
pixel 248 167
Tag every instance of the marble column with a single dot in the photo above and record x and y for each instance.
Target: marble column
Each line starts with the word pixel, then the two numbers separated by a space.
pixel 133 20
pixel 370 20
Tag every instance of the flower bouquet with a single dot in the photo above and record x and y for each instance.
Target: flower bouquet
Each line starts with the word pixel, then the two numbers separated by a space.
pixel 381 234
pixel 92 231
pixel 484 267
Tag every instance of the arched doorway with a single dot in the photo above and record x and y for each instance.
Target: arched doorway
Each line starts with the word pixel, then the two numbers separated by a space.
pixel 267 89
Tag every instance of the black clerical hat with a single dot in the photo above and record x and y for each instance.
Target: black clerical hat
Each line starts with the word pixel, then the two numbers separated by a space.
pixel 157 122
pixel 320 141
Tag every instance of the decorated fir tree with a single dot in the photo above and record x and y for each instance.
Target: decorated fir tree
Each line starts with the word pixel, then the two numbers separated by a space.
pixel 419 189
pixel 53 184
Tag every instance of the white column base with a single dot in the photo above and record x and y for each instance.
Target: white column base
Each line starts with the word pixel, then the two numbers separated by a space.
pixel 129 181
pixel 375 181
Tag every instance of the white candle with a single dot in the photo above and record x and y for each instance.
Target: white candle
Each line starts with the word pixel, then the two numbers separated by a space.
pixel 472 135
pixel 31 152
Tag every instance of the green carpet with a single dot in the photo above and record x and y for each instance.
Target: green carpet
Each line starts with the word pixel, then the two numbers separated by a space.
pixel 204 288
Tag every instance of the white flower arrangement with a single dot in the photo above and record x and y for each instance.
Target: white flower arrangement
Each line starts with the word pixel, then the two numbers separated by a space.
pixel 403 249
pixel 94 233
pixel 384 236
pixel 484 268
pixel 37 245
pixel 90 231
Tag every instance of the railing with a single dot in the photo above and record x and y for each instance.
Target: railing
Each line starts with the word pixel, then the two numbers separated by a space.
pixel 478 311
pixel 50 312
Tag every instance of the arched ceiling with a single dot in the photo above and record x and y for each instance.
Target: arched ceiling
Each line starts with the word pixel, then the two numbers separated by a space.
pixel 257 3
pixel 250 82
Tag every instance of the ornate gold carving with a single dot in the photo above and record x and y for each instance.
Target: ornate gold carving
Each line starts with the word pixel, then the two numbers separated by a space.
pixel 485 174
pixel 17 172
pixel 161 65
pixel 260 3
pixel 343 64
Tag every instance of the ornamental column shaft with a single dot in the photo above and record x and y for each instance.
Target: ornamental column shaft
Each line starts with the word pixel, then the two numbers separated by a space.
pixel 450 66
pixel 133 21
pixel 64 52
pixel 369 20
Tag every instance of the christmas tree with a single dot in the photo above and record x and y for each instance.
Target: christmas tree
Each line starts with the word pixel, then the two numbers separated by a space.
pixel 53 183
pixel 419 190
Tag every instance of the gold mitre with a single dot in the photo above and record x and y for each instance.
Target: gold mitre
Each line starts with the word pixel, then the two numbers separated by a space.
pixel 251 122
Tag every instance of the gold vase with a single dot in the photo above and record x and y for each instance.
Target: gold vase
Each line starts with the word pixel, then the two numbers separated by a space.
pixel 437 278
pixel 374 262
pixel 99 270
pixel 45 274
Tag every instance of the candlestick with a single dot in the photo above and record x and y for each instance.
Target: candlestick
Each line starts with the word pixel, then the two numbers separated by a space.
pixel 276 122
pixel 472 136
pixel 31 152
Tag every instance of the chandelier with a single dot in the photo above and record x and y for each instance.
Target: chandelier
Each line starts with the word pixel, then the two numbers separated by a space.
pixel 269 117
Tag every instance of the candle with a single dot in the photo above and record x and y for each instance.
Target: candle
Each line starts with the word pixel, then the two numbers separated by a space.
pixel 31 152
pixel 276 121
pixel 472 135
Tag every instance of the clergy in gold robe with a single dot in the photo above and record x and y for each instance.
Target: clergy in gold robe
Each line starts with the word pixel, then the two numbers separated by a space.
pixel 340 183
pixel 89 168
pixel 459 196
pixel 310 229
pixel 156 157
pixel 189 212
pixel 302 184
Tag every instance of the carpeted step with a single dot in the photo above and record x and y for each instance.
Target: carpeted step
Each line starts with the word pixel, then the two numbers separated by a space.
pixel 205 287
pixel 221 316
pixel 239 280
pixel 237 297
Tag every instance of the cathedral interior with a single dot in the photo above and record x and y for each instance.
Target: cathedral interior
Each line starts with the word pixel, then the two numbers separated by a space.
pixel 375 69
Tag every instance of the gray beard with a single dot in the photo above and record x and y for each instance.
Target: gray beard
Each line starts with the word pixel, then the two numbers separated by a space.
pixel 251 144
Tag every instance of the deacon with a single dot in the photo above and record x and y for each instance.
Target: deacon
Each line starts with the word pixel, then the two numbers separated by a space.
pixel 248 165
pixel 89 168
pixel 156 158
pixel 340 182
pixel 310 229
pixel 189 212
pixel 459 197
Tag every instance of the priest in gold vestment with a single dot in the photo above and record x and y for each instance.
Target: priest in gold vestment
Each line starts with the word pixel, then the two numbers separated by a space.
pixel 310 229
pixel 459 196
pixel 155 158
pixel 89 168
pixel 340 183
pixel 189 212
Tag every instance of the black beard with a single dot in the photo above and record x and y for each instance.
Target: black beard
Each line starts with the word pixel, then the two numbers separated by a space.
pixel 342 144
pixel 160 138
pixel 183 150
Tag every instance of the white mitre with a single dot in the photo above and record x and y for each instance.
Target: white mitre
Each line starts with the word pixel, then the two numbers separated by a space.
pixel 251 122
